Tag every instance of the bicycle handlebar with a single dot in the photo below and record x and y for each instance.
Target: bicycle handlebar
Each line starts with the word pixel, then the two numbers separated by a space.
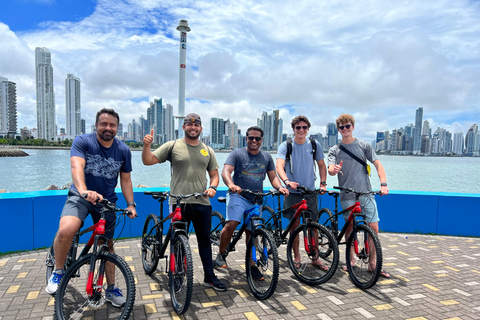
pixel 163 195
pixel 256 194
pixel 361 193
pixel 110 206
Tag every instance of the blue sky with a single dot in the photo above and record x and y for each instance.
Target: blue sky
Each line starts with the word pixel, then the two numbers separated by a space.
pixel 378 60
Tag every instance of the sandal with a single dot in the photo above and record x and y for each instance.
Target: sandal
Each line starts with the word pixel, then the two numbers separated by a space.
pixel 344 268
pixel 296 264
pixel 385 274
pixel 320 267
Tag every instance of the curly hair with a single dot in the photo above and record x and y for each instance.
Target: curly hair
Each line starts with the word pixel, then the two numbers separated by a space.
pixel 345 118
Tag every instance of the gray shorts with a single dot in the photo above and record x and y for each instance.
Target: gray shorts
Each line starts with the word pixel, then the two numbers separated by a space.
pixel 294 198
pixel 77 206
pixel 236 206
pixel 369 208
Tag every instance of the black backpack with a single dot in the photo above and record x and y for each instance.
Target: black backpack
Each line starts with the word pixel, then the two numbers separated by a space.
pixel 290 148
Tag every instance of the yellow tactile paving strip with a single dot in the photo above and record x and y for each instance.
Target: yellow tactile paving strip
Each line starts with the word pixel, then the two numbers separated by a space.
pixel 428 272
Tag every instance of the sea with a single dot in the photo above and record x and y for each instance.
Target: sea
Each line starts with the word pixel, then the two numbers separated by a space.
pixel 45 167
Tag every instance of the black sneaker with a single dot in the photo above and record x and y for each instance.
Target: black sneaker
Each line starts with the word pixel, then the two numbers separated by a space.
pixel 215 284
pixel 256 274
pixel 220 261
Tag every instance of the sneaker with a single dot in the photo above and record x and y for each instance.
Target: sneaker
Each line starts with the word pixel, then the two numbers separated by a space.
pixel 215 284
pixel 220 261
pixel 256 274
pixel 115 296
pixel 53 281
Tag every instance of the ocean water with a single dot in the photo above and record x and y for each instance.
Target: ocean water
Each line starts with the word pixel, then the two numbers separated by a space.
pixel 410 173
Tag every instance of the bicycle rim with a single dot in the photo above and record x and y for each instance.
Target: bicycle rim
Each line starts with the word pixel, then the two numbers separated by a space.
pixel 262 251
pixel 150 244
pixel 72 301
pixel 218 222
pixel 181 280
pixel 312 266
pixel 364 267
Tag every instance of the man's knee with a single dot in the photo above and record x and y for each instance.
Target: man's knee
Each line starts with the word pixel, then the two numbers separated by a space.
pixel 230 226
pixel 69 225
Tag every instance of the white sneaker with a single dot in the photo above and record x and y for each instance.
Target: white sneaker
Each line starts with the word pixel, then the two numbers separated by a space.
pixel 53 282
pixel 115 296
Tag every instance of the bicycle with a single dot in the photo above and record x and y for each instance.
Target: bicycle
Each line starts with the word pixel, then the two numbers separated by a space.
pixel 359 242
pixel 81 292
pixel 261 248
pixel 315 238
pixel 154 245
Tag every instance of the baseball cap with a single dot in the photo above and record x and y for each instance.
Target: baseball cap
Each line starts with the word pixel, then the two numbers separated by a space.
pixel 193 118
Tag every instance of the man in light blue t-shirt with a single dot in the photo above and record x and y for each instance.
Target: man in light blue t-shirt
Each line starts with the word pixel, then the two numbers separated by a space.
pixel 300 170
pixel 249 166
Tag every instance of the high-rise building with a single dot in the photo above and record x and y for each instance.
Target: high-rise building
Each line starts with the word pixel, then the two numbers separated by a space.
pixel 426 129
pixel 458 143
pixel 45 95
pixel 8 107
pixel 155 120
pixel 272 126
pixel 217 128
pixel 83 127
pixel 332 134
pixel 168 122
pixel 380 136
pixel 72 104
pixel 417 138
pixel 471 140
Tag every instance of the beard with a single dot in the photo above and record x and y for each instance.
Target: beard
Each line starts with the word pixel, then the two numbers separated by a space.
pixel 193 137
pixel 106 135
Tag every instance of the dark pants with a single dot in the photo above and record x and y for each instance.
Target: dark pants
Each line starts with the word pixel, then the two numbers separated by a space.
pixel 201 217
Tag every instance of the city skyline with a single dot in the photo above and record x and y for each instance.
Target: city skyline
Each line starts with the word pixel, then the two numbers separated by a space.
pixel 379 64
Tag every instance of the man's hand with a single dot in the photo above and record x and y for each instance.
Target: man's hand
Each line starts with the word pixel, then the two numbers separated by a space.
pixel 91 196
pixel 210 192
pixel 323 189
pixel 384 190
pixel 235 189
pixel 338 168
pixel 292 184
pixel 148 139
pixel 284 191
pixel 133 211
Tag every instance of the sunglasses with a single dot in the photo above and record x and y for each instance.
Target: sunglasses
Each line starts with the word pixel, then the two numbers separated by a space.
pixel 345 126
pixel 301 127
pixel 254 138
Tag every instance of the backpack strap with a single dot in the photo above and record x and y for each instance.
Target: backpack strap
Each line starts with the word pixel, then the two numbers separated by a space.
pixel 289 153
pixel 169 157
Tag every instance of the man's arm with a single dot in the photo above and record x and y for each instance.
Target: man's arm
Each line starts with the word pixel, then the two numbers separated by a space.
pixel 280 164
pixel 214 180
pixel 381 175
pixel 148 158
pixel 127 190
pixel 77 165
pixel 322 169
pixel 227 178
pixel 272 176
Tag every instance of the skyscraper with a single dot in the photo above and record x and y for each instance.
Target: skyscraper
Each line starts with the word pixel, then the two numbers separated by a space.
pixel 72 105
pixel 417 138
pixel 471 140
pixel 45 95
pixel 332 134
pixel 458 144
pixel 8 107
pixel 168 122
pixel 217 128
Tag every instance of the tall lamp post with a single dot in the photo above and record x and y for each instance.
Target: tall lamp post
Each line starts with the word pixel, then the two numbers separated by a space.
pixel 183 28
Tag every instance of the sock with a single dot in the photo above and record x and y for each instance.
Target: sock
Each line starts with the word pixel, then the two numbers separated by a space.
pixel 58 271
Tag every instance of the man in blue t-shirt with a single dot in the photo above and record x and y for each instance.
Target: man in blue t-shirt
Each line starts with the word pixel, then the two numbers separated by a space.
pixel 96 160
pixel 249 166
pixel 300 170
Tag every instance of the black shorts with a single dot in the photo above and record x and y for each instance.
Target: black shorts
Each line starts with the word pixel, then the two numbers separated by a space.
pixel 77 206
pixel 294 198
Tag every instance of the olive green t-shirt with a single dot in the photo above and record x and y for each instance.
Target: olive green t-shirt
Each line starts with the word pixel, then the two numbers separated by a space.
pixel 190 166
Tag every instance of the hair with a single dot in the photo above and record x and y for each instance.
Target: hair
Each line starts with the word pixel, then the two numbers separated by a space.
pixel 256 128
pixel 109 111
pixel 297 119
pixel 345 118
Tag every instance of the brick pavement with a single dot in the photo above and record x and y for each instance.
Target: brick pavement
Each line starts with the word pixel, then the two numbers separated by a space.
pixel 433 277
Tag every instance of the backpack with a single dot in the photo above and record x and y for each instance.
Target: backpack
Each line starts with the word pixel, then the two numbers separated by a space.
pixel 290 149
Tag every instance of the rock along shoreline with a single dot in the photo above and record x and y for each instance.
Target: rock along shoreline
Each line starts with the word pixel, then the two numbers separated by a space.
pixel 12 152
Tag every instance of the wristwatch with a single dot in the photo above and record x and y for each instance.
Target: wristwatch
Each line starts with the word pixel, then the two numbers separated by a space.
pixel 324 183
pixel 132 204
pixel 213 187
pixel 383 184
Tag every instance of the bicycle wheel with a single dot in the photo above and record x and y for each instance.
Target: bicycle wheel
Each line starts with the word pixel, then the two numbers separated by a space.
pixel 151 239
pixel 181 279
pixel 72 300
pixel 364 267
pixel 218 222
pixel 310 264
pixel 325 218
pixel 262 252
pixel 50 258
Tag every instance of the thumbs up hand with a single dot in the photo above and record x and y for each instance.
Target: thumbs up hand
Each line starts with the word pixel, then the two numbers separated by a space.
pixel 338 168
pixel 148 139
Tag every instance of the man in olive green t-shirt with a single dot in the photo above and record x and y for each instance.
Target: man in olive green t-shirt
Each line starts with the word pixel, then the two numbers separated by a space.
pixel 190 160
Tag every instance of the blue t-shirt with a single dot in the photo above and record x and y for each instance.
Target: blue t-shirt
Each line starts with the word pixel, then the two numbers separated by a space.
pixel 301 167
pixel 250 169
pixel 102 165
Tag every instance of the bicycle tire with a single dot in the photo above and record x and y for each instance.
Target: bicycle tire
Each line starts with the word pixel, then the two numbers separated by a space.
pixel 217 224
pixel 359 272
pixel 304 269
pixel 71 297
pixel 325 218
pixel 265 256
pixel 151 243
pixel 181 280
pixel 50 258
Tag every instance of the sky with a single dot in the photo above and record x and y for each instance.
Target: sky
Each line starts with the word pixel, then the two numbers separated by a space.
pixel 377 60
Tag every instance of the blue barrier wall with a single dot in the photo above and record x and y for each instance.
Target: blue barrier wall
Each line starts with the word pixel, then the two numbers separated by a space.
pixel 30 219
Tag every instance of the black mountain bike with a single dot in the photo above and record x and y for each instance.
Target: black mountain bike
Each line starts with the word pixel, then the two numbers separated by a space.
pixel 363 253
pixel 81 292
pixel 261 249
pixel 154 245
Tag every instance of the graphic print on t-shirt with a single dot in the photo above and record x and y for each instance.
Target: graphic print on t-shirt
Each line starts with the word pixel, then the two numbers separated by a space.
pixel 253 170
pixel 101 167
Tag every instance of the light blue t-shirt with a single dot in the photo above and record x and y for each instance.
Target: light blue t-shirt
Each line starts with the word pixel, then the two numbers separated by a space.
pixel 301 167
